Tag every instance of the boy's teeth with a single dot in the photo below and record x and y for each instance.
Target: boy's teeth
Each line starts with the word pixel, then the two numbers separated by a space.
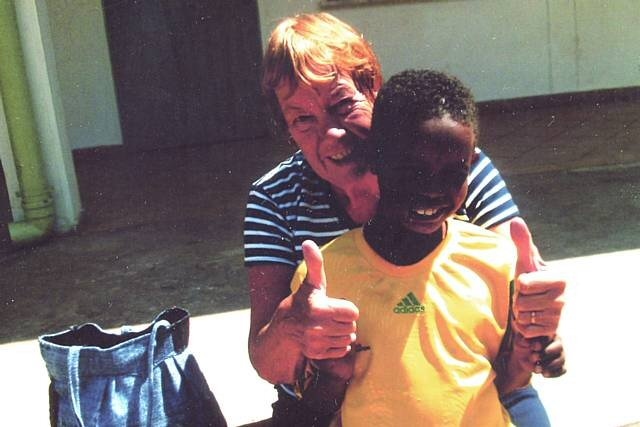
pixel 426 212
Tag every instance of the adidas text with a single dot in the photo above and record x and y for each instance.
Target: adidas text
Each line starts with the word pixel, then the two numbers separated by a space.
pixel 412 309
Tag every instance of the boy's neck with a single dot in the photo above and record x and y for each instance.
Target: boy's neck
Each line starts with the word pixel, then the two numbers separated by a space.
pixel 398 245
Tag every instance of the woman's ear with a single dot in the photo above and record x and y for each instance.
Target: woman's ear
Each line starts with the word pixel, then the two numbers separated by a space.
pixel 292 142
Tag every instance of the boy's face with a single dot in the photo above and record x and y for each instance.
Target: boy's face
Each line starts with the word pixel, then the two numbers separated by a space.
pixel 421 188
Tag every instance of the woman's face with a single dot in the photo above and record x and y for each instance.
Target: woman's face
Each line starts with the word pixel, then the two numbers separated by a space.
pixel 330 123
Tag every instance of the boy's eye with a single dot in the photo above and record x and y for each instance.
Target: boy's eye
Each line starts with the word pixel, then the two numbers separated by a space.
pixel 455 178
pixel 448 178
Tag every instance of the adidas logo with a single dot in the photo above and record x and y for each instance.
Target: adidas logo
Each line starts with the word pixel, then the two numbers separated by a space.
pixel 409 304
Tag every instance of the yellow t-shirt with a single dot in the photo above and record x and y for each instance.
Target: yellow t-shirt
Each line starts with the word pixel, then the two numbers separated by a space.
pixel 433 328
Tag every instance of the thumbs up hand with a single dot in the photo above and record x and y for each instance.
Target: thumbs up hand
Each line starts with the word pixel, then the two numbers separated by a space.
pixel 328 324
pixel 537 305
pixel 539 295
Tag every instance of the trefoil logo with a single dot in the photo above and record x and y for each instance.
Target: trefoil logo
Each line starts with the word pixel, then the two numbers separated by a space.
pixel 409 305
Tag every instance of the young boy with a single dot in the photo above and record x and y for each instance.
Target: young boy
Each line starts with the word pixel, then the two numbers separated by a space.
pixel 433 292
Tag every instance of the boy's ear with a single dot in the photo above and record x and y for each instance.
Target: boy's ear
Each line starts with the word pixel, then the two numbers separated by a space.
pixel 475 155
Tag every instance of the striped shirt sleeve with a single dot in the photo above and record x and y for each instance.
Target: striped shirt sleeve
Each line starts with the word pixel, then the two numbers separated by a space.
pixel 267 235
pixel 489 202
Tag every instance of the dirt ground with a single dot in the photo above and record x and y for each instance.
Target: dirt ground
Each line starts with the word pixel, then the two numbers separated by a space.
pixel 159 229
pixel 164 228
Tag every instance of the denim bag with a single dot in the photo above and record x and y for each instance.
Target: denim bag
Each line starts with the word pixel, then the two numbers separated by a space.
pixel 145 378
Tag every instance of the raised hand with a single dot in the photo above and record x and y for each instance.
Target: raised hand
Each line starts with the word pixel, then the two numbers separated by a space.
pixel 328 324
pixel 537 306
pixel 539 295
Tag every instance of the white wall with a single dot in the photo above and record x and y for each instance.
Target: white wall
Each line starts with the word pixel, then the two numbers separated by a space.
pixel 608 43
pixel 501 48
pixel 87 90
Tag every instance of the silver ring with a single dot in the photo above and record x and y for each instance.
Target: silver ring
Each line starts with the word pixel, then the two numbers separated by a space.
pixel 533 317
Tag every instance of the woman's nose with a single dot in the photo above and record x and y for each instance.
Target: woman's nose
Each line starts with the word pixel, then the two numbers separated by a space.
pixel 332 121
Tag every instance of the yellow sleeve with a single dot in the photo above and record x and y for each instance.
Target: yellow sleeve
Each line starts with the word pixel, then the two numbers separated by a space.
pixel 298 277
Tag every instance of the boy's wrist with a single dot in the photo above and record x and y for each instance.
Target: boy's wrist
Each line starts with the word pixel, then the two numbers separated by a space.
pixel 321 389
pixel 509 383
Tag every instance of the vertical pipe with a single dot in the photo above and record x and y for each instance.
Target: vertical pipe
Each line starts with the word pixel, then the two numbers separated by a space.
pixel 34 190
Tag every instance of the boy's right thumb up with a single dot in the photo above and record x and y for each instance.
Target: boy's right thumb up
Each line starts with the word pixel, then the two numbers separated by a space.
pixel 316 278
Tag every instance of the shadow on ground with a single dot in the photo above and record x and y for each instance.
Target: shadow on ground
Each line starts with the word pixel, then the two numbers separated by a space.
pixel 581 212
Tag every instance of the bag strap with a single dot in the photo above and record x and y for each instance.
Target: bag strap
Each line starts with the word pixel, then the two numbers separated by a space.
pixel 151 350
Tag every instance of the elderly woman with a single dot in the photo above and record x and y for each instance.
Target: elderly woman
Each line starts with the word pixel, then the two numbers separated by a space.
pixel 322 77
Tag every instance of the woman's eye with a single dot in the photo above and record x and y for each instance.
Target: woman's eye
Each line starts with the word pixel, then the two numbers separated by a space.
pixel 303 123
pixel 342 108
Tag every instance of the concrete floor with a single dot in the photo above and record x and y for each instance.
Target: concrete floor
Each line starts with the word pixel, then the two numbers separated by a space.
pixel 164 228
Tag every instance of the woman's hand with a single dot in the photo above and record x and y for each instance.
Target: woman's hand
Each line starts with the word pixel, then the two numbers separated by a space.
pixel 328 325
pixel 539 296
pixel 287 329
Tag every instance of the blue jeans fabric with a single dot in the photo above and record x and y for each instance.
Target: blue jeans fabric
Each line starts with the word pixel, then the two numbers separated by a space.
pixel 145 378
pixel 525 408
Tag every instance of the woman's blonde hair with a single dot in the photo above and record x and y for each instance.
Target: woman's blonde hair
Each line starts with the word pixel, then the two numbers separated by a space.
pixel 315 48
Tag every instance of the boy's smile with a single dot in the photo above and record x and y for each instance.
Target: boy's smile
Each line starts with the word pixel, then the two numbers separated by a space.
pixel 422 187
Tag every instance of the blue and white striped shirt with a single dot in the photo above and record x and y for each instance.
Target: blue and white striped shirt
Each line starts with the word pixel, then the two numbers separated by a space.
pixel 291 204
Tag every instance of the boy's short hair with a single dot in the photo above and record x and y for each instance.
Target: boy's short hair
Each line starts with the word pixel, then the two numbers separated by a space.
pixel 315 48
pixel 410 98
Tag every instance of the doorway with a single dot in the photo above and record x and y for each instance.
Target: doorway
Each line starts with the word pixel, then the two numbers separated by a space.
pixel 186 72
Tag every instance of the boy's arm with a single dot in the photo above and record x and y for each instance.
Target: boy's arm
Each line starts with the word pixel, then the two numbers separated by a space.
pixel 515 364
pixel 325 383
